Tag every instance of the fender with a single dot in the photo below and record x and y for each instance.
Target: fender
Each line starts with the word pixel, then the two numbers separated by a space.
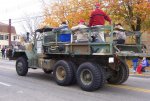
pixel 29 55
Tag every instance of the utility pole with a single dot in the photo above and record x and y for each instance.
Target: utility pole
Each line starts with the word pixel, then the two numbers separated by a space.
pixel 9 31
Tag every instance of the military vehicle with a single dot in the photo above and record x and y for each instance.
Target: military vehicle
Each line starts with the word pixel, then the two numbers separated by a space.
pixel 86 61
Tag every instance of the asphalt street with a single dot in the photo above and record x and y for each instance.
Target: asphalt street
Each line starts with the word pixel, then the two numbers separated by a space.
pixel 37 86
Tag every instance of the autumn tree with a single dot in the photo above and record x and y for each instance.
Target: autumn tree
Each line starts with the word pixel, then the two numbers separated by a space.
pixel 30 24
pixel 70 11
pixel 134 13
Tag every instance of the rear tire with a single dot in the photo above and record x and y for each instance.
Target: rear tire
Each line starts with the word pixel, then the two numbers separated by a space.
pixel 89 76
pixel 21 66
pixel 103 75
pixel 63 73
pixel 120 76
pixel 74 68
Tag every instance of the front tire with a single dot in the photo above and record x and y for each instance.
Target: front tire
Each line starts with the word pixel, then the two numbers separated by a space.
pixel 21 66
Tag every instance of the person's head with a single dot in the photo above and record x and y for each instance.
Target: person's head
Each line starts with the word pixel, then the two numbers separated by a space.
pixel 118 26
pixel 82 22
pixel 97 5
pixel 63 22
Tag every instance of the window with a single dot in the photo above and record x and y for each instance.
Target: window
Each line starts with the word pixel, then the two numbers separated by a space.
pixel 6 37
pixel 14 37
pixel 17 37
pixel 1 37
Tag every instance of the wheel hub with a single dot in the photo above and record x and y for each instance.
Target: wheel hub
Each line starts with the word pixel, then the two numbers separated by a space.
pixel 60 73
pixel 20 66
pixel 86 77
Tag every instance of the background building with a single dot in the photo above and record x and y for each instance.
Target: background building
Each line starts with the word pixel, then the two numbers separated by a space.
pixel 4 35
pixel 146 40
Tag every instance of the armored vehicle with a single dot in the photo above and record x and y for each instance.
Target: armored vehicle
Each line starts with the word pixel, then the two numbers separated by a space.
pixel 91 61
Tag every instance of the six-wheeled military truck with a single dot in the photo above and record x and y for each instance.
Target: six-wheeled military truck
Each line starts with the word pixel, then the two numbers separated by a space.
pixel 91 61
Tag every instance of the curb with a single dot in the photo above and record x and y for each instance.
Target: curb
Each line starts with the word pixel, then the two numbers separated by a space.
pixel 140 75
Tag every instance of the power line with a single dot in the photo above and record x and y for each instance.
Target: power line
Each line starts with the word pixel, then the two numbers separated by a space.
pixel 24 19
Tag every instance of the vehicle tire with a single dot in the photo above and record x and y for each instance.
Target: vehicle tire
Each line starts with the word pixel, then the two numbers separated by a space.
pixel 120 76
pixel 47 71
pixel 103 75
pixel 74 67
pixel 21 66
pixel 89 76
pixel 63 73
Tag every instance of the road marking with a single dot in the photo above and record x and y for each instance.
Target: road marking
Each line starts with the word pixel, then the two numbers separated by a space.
pixel 131 88
pixel 5 84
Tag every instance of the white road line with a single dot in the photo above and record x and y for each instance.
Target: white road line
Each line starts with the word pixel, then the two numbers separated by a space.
pixel 5 84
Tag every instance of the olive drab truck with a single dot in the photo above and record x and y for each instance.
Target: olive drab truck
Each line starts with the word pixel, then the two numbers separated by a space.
pixel 89 63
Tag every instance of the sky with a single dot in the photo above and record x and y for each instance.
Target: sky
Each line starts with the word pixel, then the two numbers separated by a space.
pixel 17 9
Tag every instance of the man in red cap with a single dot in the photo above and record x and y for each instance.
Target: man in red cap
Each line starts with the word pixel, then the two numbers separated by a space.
pixel 98 16
pixel 80 34
pixel 80 25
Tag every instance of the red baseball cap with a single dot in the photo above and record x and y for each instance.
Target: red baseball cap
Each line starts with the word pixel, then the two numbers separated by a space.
pixel 81 21
pixel 97 5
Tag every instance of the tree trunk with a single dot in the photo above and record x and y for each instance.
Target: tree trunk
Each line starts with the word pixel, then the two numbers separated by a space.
pixel 138 28
pixel 138 24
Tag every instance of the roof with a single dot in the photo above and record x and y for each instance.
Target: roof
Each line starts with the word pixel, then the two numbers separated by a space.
pixel 4 28
pixel 45 29
pixel 2 23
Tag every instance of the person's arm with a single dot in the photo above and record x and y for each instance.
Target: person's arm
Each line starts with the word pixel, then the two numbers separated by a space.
pixel 90 23
pixel 106 17
pixel 144 63
pixel 75 28
pixel 91 20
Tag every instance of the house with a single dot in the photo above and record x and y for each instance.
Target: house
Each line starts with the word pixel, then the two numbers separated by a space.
pixel 4 35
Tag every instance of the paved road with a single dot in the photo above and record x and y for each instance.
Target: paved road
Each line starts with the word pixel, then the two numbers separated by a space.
pixel 37 86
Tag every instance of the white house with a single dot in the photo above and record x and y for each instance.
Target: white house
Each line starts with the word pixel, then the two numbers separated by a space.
pixel 4 35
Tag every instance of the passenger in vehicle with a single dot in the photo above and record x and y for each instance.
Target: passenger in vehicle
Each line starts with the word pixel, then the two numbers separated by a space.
pixel 64 34
pixel 120 34
pixel 98 18
pixel 97 36
pixel 62 27
pixel 79 26
pixel 80 32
